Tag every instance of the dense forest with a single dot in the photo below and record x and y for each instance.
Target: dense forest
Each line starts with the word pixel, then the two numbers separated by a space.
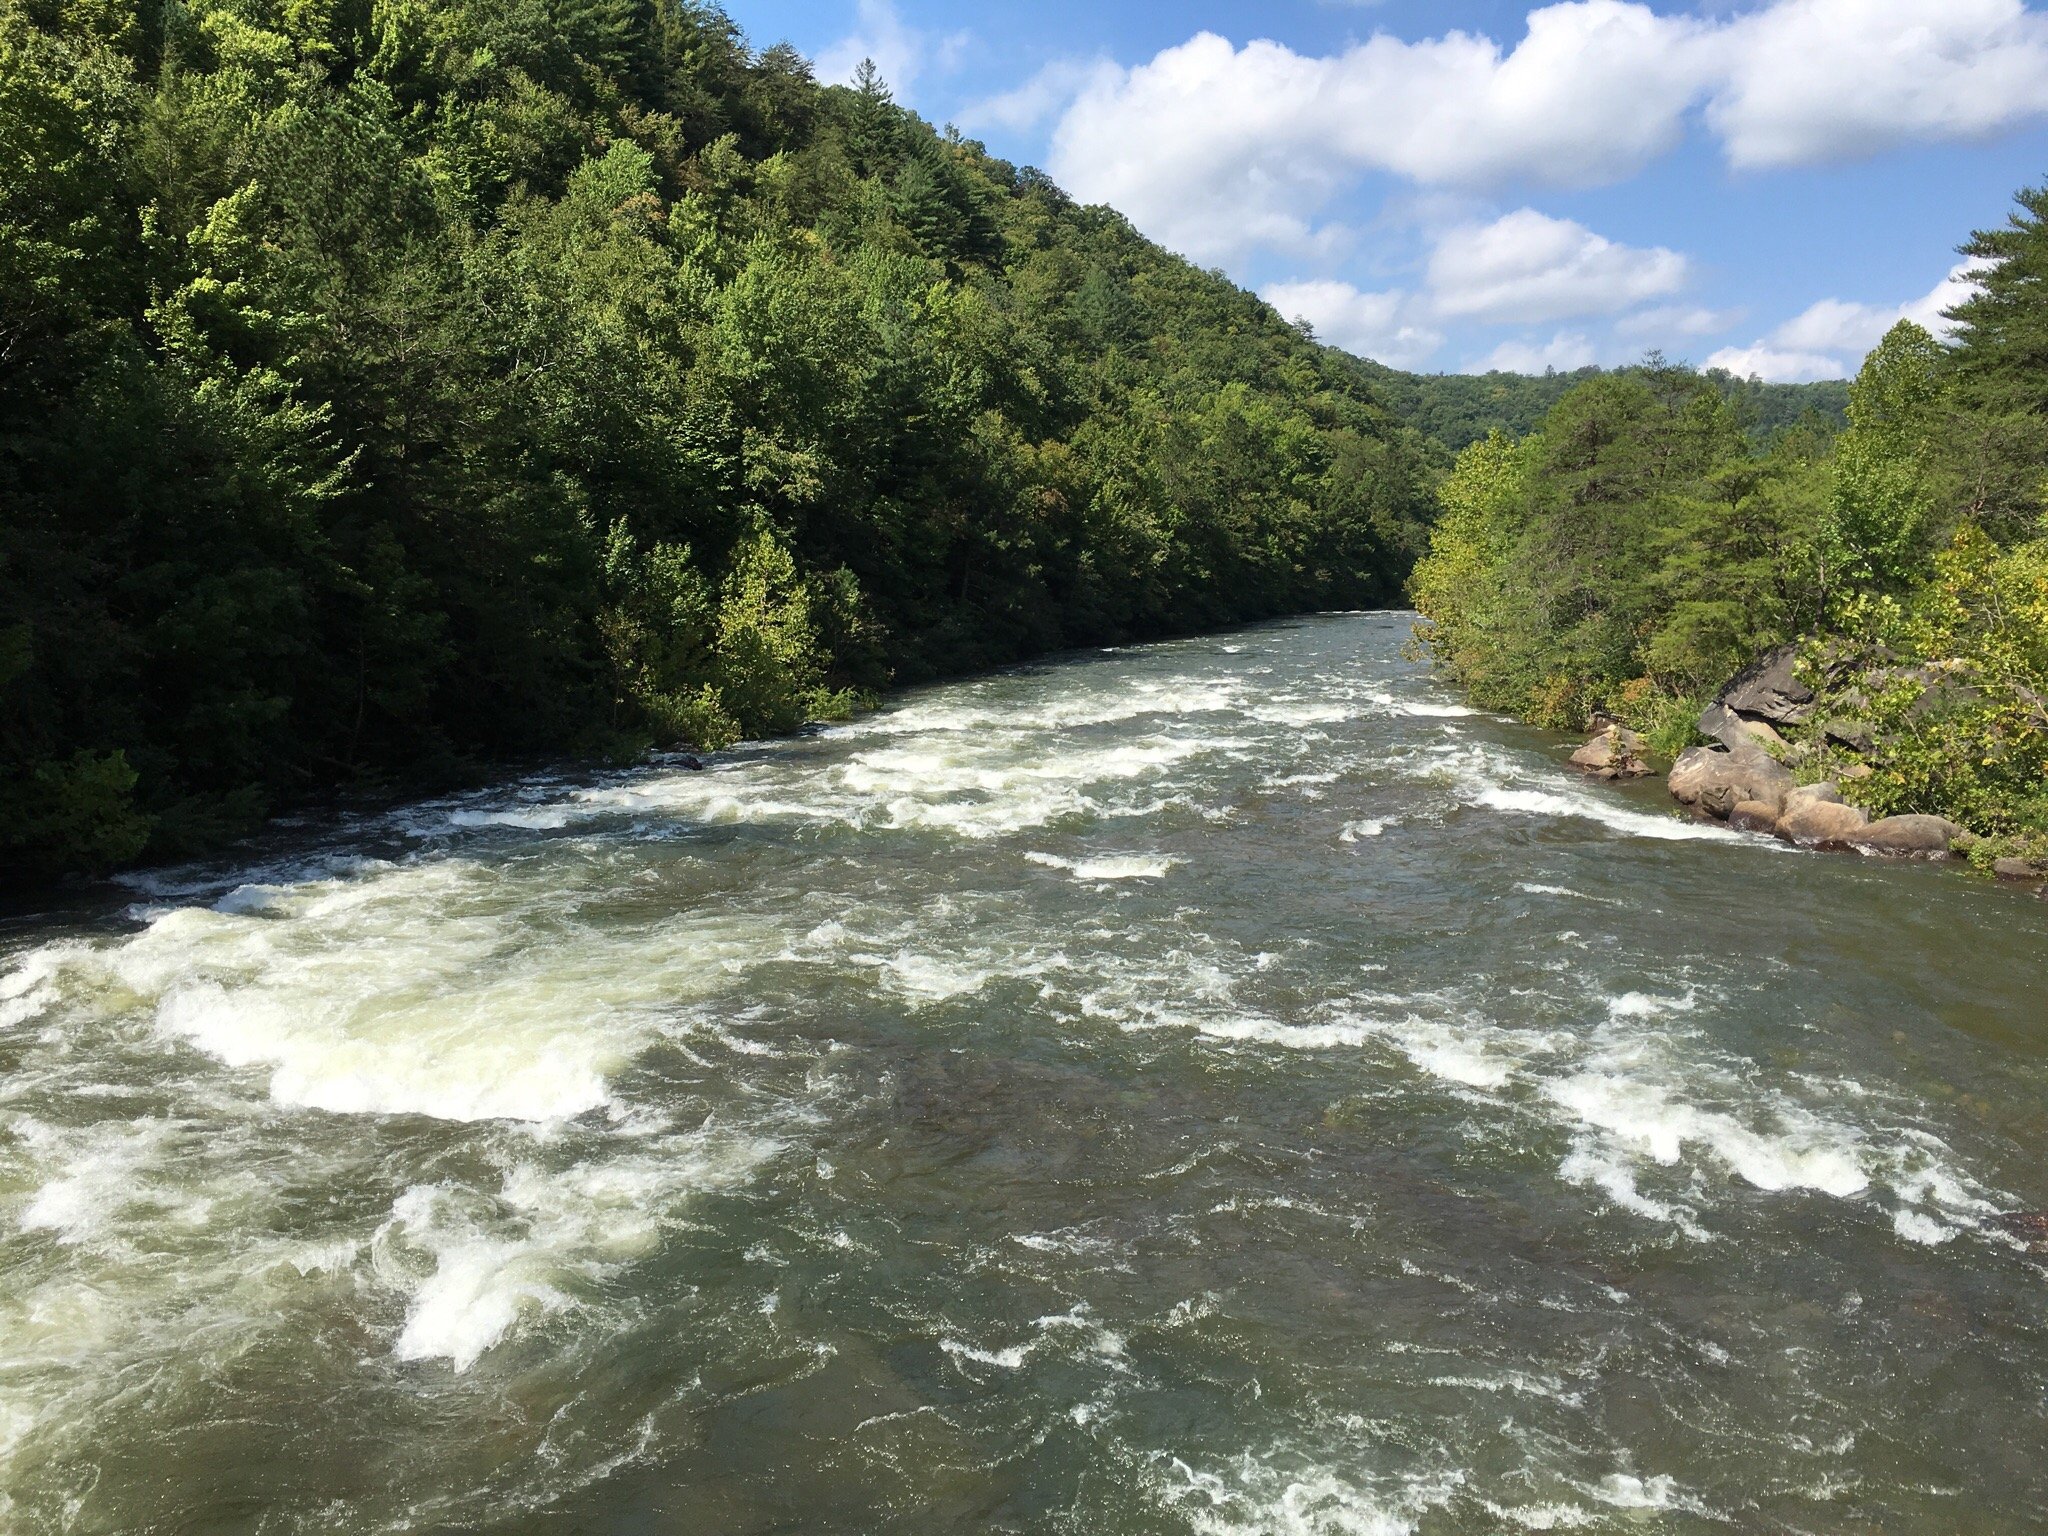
pixel 1456 410
pixel 394 387
pixel 1638 548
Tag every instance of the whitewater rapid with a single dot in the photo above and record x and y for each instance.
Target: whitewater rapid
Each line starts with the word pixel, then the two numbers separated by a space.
pixel 1225 1086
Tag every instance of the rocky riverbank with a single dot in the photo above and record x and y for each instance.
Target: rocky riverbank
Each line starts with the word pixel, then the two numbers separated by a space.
pixel 1764 725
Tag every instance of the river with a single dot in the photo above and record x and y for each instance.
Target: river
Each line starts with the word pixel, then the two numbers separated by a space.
pixel 1215 1087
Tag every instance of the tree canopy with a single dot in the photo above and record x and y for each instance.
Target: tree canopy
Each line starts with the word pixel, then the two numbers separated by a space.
pixel 389 388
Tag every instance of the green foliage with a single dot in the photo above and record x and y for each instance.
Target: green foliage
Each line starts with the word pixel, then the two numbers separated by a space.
pixel 1963 728
pixel 1640 548
pixel 1882 517
pixel 1459 409
pixel 1635 551
pixel 390 387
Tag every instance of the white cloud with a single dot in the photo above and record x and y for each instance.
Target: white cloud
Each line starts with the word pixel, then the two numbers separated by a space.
pixel 1043 96
pixel 1678 320
pixel 1219 149
pixel 1380 326
pixel 1829 339
pixel 1817 80
pixel 1564 352
pixel 1776 365
pixel 1528 268
pixel 900 51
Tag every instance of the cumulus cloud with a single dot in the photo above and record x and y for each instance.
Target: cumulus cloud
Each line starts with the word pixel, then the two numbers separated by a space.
pixel 1678 320
pixel 900 51
pixel 1564 352
pixel 1829 339
pixel 1218 148
pixel 1528 268
pixel 1778 365
pixel 1816 80
pixel 1037 99
pixel 1381 326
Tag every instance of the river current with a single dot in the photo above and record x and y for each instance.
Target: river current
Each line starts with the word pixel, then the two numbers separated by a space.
pixel 1220 1087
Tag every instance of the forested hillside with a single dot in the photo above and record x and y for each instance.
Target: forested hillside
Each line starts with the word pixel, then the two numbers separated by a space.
pixel 1638 549
pixel 1458 409
pixel 389 387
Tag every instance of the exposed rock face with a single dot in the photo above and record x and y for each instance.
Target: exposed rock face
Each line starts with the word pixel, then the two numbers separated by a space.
pixel 1827 791
pixel 1907 837
pixel 1753 816
pixel 1821 823
pixel 1717 780
pixel 1766 689
pixel 1733 730
pixel 1853 734
pixel 1616 753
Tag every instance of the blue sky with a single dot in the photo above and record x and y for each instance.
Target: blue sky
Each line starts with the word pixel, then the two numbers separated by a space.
pixel 1446 186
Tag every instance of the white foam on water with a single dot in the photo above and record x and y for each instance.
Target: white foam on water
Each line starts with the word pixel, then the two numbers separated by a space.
pixel 1010 1359
pixel 352 1003
pixel 1355 830
pixel 1422 709
pixel 544 1240
pixel 540 818
pixel 1799 1151
pixel 1288 1495
pixel 1916 1227
pixel 929 977
pixel 1554 803
pixel 1109 866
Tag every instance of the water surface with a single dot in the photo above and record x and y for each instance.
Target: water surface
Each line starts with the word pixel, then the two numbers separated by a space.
pixel 1219 1087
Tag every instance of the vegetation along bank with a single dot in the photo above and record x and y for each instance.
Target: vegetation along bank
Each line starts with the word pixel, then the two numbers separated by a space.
pixel 1878 594
pixel 388 391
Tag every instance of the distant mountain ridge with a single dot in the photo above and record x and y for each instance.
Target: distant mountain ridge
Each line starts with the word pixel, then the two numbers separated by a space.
pixel 1458 409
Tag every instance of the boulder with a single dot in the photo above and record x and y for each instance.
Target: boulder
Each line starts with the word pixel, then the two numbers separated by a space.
pixel 1857 772
pixel 1853 734
pixel 1825 792
pixel 1926 837
pixel 1733 730
pixel 1753 816
pixel 2016 869
pixel 1717 780
pixel 1616 753
pixel 1767 689
pixel 1815 823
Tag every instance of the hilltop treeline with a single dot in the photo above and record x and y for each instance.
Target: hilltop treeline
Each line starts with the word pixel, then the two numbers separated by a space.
pixel 1638 549
pixel 392 386
pixel 1458 409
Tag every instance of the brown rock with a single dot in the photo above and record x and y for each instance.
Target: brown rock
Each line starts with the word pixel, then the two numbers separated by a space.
pixel 1857 772
pixel 1616 753
pixel 1717 781
pixel 1827 792
pixel 1814 823
pixel 1753 816
pixel 1925 837
pixel 2016 869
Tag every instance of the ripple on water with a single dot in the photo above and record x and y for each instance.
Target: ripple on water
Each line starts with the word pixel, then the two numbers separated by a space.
pixel 1158 1091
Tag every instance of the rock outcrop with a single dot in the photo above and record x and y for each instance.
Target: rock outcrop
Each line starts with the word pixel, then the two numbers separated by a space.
pixel 1615 753
pixel 1753 792
pixel 1815 817
pixel 1715 780
pixel 1753 816
pixel 1769 689
pixel 1922 837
